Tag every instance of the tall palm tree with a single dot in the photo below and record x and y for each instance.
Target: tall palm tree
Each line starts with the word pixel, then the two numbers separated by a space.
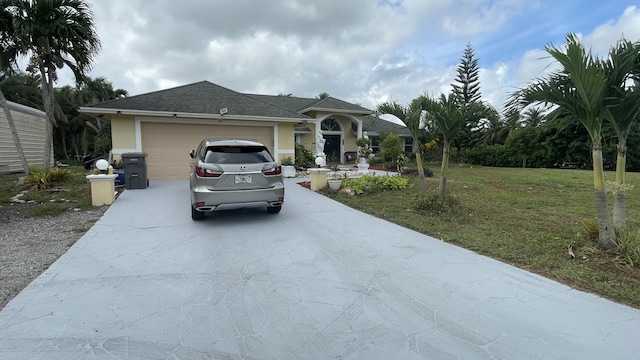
pixel 411 117
pixel 446 113
pixel 579 91
pixel 623 66
pixel 53 34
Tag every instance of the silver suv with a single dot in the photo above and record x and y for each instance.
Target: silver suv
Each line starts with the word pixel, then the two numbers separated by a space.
pixel 233 174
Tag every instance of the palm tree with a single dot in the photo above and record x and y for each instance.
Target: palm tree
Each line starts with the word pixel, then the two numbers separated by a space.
pixel 52 33
pixel 495 130
pixel 90 92
pixel 23 88
pixel 447 114
pixel 411 117
pixel 512 120
pixel 623 66
pixel 533 117
pixel 579 91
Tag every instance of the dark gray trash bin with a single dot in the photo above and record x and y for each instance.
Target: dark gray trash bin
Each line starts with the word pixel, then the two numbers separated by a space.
pixel 135 170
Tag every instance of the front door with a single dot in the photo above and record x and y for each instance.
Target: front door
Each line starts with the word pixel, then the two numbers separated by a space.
pixel 332 148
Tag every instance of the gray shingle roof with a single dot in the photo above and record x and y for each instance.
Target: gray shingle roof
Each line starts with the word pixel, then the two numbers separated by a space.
pixel 337 104
pixel 200 98
pixel 299 104
pixel 288 102
pixel 376 126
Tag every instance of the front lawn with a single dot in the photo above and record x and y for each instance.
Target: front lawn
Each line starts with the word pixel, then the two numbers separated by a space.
pixel 525 217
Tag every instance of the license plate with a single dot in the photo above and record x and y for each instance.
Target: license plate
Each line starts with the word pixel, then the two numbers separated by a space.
pixel 243 179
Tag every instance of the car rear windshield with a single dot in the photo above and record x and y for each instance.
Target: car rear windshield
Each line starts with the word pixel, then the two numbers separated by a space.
pixel 237 155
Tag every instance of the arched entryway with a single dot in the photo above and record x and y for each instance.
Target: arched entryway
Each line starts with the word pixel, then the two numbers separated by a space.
pixel 332 132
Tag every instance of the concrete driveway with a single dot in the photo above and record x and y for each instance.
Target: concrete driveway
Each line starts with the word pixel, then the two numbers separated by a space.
pixel 317 281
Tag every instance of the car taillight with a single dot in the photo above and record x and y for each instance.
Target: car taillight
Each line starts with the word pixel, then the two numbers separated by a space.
pixel 276 170
pixel 202 172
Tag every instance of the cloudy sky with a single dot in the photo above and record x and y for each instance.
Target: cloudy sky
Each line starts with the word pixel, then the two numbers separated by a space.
pixel 362 51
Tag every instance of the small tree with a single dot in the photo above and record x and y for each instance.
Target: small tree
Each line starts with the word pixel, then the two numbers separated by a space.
pixel 524 141
pixel 411 117
pixel 447 116
pixel 391 148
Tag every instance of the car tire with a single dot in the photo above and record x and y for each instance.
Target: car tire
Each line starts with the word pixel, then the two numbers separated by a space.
pixel 196 215
pixel 274 209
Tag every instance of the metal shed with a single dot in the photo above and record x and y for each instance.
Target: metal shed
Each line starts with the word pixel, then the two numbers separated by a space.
pixel 30 125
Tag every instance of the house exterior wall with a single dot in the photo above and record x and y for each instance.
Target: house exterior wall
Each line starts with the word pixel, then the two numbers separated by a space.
pixel 123 134
pixel 309 140
pixel 30 125
pixel 286 141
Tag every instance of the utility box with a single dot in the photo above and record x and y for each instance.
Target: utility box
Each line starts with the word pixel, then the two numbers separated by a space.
pixel 135 170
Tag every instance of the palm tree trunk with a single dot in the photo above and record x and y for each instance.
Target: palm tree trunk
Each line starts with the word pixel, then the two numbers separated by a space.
pixel 619 200
pixel 14 133
pixel 443 169
pixel 423 182
pixel 49 109
pixel 606 234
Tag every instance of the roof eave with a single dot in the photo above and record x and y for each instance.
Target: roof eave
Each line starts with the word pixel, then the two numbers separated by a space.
pixel 105 111
pixel 367 112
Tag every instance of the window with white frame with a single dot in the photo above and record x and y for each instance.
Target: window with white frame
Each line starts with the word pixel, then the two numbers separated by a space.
pixel 408 145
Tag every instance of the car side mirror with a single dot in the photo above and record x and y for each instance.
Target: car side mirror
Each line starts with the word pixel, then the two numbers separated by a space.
pixel 192 153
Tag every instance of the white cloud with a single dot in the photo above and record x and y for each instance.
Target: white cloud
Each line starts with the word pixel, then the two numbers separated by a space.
pixel 361 51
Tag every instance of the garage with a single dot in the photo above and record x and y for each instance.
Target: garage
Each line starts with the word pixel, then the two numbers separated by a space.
pixel 168 144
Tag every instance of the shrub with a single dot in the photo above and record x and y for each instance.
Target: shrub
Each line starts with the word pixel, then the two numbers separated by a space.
pixel 372 184
pixel 628 247
pixel 304 157
pixel 391 147
pixel 491 155
pixel 41 178
pixel 590 226
pixel 432 203
pixel 287 161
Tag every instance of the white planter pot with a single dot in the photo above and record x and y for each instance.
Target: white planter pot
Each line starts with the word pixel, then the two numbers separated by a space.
pixel 335 184
pixel 288 171
pixel 363 168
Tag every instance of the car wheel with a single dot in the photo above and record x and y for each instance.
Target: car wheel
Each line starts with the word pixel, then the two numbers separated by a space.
pixel 274 209
pixel 196 215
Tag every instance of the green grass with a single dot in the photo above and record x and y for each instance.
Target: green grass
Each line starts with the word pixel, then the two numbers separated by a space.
pixel 524 217
pixel 67 193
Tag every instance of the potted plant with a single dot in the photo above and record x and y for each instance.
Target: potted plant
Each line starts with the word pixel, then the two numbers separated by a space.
pixel 335 181
pixel 288 169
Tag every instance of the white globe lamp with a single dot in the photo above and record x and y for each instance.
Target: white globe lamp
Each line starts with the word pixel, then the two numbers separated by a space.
pixel 102 165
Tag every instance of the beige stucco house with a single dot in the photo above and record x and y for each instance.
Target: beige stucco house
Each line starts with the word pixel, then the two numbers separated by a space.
pixel 166 124
pixel 30 126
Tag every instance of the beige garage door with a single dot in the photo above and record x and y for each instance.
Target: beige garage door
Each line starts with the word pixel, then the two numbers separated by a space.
pixel 168 145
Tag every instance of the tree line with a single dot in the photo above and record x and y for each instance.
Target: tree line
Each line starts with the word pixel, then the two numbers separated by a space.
pixel 583 114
